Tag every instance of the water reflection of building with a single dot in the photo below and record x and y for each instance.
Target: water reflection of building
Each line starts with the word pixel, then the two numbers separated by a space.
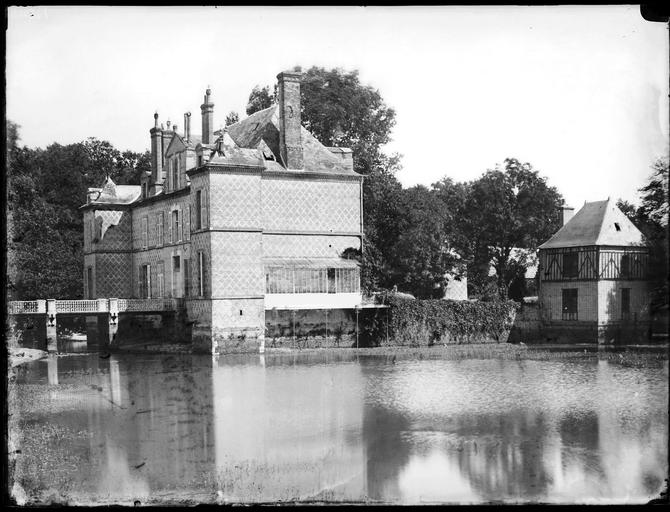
pixel 149 424
pixel 287 431
pixel 555 432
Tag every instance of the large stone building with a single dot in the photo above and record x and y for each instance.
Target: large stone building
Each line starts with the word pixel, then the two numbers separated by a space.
pixel 593 276
pixel 238 221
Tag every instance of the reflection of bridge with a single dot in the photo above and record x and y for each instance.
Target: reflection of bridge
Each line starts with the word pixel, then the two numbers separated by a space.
pixel 111 308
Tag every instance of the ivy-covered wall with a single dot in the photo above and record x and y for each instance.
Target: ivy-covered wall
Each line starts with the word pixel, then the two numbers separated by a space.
pixel 416 322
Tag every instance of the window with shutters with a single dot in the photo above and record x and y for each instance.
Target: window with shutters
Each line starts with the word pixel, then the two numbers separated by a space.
pixel 145 232
pixel 160 279
pixel 204 213
pixel 175 173
pixel 159 229
pixel 187 223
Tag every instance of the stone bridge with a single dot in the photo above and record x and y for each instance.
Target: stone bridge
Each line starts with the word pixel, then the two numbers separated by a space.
pixel 109 308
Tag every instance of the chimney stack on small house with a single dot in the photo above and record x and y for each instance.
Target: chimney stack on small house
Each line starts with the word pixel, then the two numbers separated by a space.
pixel 290 138
pixel 156 152
pixel 187 126
pixel 566 214
pixel 207 110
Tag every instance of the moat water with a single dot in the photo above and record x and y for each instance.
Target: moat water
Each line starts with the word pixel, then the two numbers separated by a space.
pixel 325 427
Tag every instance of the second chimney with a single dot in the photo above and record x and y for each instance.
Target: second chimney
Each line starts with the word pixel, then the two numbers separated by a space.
pixel 566 214
pixel 187 126
pixel 290 138
pixel 207 111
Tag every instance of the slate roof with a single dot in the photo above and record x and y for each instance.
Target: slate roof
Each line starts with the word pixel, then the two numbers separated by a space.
pixel 597 223
pixel 261 131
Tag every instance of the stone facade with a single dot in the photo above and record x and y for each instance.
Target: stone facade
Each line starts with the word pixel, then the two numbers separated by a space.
pixel 219 215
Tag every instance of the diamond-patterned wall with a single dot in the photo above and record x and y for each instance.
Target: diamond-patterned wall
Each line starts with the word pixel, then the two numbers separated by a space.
pixel 310 205
pixel 236 264
pixel 234 200
pixel 306 246
pixel 112 275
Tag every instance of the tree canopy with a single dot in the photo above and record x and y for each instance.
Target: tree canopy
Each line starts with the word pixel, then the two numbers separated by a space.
pixel 507 208
pixel 651 218
pixel 45 188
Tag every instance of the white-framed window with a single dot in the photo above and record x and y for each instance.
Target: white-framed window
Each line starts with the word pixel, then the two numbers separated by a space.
pixel 145 281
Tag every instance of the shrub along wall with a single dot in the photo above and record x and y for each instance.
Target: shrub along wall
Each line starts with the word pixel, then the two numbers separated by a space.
pixel 426 322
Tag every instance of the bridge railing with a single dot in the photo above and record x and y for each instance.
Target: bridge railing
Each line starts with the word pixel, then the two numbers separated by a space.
pixel 19 307
pixel 150 304
pixel 82 306
pixel 93 306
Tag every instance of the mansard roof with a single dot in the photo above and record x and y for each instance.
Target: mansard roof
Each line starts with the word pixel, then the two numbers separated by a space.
pixel 261 131
pixel 597 223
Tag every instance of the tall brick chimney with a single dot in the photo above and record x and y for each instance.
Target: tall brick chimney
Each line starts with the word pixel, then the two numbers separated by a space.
pixel 156 152
pixel 167 137
pixel 207 110
pixel 290 139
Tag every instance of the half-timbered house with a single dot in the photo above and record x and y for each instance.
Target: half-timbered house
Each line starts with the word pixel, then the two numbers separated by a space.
pixel 593 275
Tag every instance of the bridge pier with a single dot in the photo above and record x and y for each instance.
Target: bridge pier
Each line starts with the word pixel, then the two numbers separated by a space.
pixel 52 336
pixel 112 321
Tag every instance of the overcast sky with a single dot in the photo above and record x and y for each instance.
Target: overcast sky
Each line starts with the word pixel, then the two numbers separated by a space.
pixel 579 92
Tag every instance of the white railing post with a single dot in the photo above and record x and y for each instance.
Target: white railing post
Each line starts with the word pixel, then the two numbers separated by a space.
pixel 103 306
pixel 113 319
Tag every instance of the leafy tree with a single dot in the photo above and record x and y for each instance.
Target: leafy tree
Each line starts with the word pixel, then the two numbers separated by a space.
pixel 260 99
pixel 232 118
pixel 340 111
pixel 421 256
pixel 651 218
pixel 508 208
pixel 45 188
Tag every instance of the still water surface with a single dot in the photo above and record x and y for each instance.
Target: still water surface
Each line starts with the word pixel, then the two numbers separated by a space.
pixel 331 427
